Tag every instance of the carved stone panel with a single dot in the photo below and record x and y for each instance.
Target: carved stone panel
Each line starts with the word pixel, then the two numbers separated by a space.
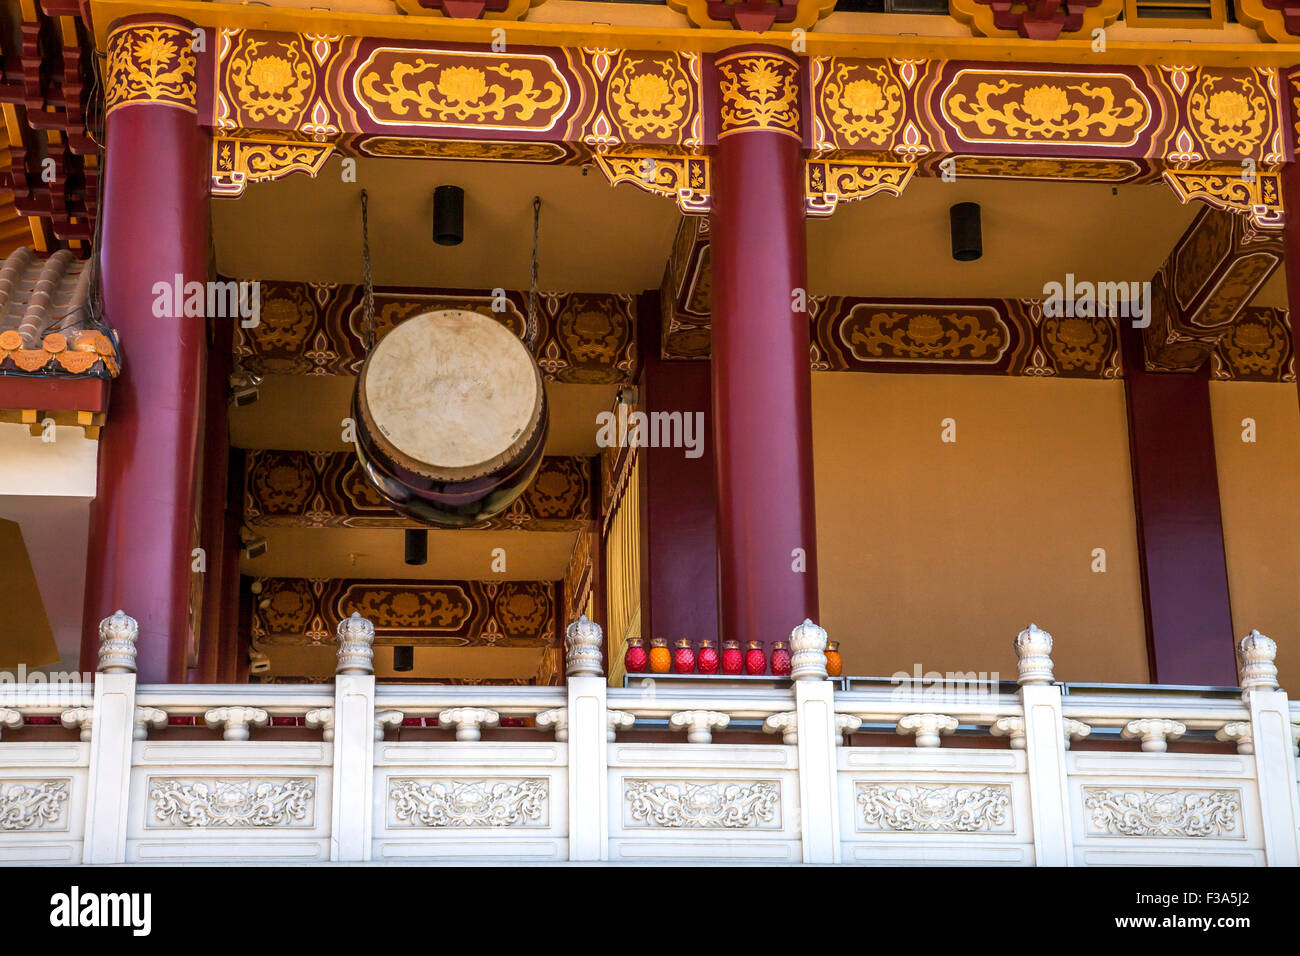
pixel 34 804
pixel 231 803
pixel 702 804
pixel 482 802
pixel 1178 813
pixel 933 808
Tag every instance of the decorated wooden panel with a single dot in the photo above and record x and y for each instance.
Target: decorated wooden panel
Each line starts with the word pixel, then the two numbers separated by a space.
pixel 327 85
pixel 307 611
pixel 1006 336
pixel 328 490
pixel 1259 347
pixel 316 329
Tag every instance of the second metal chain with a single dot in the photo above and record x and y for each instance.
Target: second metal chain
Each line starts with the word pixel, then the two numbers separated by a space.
pixel 530 333
pixel 369 301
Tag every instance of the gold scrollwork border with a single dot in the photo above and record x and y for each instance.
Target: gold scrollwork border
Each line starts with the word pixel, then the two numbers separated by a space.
pixel 684 178
pixel 830 182
pixel 1257 194
pixel 240 160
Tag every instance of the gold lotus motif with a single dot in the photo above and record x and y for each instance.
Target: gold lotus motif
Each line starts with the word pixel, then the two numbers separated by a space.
pixel 270 73
pixel 758 92
pixel 150 64
pixel 761 79
pixel 1230 112
pixel 273 85
pixel 509 92
pixel 650 97
pixel 863 97
pixel 1046 103
pixel 462 84
pixel 154 51
pixel 924 329
pixel 863 101
pixel 1229 107
pixel 649 91
pixel 1090 110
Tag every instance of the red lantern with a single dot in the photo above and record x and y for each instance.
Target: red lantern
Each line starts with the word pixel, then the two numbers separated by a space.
pixel 781 659
pixel 635 658
pixel 707 659
pixel 755 659
pixel 733 660
pixel 684 657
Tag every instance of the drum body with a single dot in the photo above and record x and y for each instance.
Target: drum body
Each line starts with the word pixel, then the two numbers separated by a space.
pixel 451 418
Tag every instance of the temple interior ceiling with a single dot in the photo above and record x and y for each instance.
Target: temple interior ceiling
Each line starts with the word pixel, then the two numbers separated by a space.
pixel 458 555
pixel 598 238
pixel 594 238
pixel 304 412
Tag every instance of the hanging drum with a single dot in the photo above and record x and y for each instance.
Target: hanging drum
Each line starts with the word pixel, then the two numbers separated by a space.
pixel 451 417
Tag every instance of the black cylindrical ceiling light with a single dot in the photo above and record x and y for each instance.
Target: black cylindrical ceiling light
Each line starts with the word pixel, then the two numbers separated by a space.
pixel 967 241
pixel 448 215
pixel 403 658
pixel 417 545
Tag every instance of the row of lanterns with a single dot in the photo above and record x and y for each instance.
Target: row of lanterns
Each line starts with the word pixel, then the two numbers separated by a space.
pixel 702 657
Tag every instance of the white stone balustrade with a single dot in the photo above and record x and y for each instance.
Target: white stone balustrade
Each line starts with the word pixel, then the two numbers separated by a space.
pixel 83 717
pixel 147 718
pixel 577 791
pixel 468 721
pixel 385 719
pixel 1237 732
pixel 322 719
pixel 786 724
pixel 9 718
pixel 1014 728
pixel 1154 732
pixel 235 722
pixel 699 724
pixel 927 728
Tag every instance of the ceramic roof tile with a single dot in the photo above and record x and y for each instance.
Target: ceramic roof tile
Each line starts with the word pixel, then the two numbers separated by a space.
pixel 45 325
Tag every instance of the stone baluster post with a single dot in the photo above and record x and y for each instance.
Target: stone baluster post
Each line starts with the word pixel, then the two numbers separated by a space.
pixel 1271 738
pixel 112 730
pixel 1045 746
pixel 354 742
pixel 588 753
pixel 816 739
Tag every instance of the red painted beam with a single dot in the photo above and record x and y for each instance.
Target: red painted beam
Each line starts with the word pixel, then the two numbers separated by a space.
pixel 1180 530
pixel 54 394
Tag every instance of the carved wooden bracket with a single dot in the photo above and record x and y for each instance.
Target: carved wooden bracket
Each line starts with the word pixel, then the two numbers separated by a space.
pixel 1035 19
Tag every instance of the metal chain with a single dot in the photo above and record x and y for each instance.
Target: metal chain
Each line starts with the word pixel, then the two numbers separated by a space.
pixel 530 333
pixel 369 302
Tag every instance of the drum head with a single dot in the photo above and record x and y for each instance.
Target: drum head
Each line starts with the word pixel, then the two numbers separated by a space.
pixel 453 392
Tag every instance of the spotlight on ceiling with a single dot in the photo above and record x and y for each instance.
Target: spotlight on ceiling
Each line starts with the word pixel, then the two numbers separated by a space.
pixel 967 242
pixel 403 658
pixel 417 545
pixel 252 544
pixel 448 215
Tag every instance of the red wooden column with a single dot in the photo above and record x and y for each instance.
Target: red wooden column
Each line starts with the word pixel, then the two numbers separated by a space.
pixel 679 514
pixel 1291 203
pixel 762 417
pixel 155 229
pixel 1180 530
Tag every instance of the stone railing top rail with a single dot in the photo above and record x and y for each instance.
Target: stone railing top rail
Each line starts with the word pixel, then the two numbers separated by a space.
pixel 40 698
pixel 1116 710
pixel 650 700
pixel 415 700
pixel 278 700
pixel 887 705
